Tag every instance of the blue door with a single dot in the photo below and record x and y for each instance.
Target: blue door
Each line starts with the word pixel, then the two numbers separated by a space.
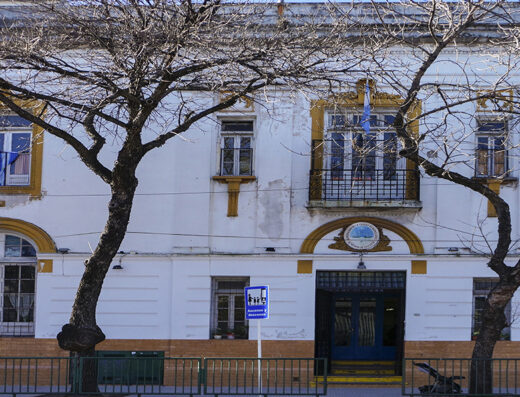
pixel 365 326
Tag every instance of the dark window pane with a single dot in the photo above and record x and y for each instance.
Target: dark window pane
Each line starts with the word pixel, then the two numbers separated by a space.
pixel 343 322
pixel 11 285
pixel 25 308
pixel 389 120
pixel 239 316
pixel 245 142
pixel 482 142
pixel 228 155
pixel 12 272
pixel 10 301
pixel 390 319
pixel 366 327
pixel 491 126
pixel 10 316
pixel 227 169
pixel 229 143
pixel 12 240
pixel 231 285
pixel 27 286
pixel 21 142
pixel 223 301
pixel 13 121
pixel 245 162
pixel 12 246
pixel 239 301
pixel 13 251
pixel 237 126
pixel 390 156
pixel 28 272
pixel 28 249
pixel 337 159
pixel 337 120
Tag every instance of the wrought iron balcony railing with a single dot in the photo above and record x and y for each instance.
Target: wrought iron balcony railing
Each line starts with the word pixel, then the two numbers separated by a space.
pixel 364 185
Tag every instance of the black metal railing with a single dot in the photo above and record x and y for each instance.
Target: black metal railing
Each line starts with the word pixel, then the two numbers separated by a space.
pixel 364 184
pixel 158 375
pixel 361 170
pixel 454 376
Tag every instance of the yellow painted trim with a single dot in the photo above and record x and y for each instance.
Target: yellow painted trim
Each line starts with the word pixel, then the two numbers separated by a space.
pixel 361 379
pixel 309 244
pixel 503 96
pixel 304 266
pixel 387 363
pixel 233 183
pixel 419 267
pixel 34 189
pixel 494 185
pixel 355 99
pixel 247 102
pixel 44 265
pixel 43 241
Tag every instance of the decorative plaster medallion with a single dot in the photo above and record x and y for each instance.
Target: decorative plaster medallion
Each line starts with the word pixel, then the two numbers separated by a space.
pixel 361 236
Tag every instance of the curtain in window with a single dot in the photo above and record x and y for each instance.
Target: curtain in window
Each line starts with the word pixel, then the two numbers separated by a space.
pixel 6 159
pixel 21 165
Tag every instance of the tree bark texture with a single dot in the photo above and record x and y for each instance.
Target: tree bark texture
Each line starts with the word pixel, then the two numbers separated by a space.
pixel 82 334
pixel 493 322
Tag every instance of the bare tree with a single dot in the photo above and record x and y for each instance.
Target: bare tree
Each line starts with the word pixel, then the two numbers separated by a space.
pixel 98 71
pixel 454 58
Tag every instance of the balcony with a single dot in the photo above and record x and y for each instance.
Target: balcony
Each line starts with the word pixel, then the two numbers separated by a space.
pixel 371 181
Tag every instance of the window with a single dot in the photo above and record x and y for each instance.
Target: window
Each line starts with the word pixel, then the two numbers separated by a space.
pixel 17 287
pixel 491 156
pixel 15 150
pixel 236 148
pixel 228 308
pixel 481 289
pixel 369 156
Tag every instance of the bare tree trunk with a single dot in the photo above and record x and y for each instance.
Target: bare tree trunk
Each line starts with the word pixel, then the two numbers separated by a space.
pixel 82 334
pixel 493 322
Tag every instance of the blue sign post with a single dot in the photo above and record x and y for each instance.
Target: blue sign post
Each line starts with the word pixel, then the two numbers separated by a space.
pixel 257 307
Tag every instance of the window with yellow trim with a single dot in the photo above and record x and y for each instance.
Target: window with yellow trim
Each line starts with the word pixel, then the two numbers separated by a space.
pixel 17 286
pixel 20 155
pixel 491 156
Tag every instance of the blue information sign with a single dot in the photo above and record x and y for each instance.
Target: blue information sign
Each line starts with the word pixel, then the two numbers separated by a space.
pixel 257 302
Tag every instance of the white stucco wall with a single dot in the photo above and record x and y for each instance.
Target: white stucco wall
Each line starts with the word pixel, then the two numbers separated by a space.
pixel 179 235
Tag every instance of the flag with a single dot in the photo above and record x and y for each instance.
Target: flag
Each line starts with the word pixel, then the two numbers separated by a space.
pixel 365 118
pixel 6 159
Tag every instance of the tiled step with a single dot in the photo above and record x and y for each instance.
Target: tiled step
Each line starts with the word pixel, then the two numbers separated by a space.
pixel 364 372
pixel 367 371
pixel 362 362
pixel 358 380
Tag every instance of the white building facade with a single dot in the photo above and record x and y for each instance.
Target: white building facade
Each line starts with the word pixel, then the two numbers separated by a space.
pixel 366 258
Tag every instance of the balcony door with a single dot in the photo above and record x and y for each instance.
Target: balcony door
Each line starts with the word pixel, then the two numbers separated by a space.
pixel 360 165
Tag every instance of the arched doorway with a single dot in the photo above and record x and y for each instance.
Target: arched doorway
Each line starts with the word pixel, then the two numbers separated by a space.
pixel 359 314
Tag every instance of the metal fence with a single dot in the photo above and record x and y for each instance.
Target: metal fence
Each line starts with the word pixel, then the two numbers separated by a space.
pixel 453 377
pixel 266 376
pixel 162 376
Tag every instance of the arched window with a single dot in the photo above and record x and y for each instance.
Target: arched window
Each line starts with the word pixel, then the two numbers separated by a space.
pixel 17 286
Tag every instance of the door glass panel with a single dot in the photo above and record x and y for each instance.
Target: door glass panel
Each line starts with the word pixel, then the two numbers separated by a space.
pixel 367 322
pixel 343 322
pixel 390 319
